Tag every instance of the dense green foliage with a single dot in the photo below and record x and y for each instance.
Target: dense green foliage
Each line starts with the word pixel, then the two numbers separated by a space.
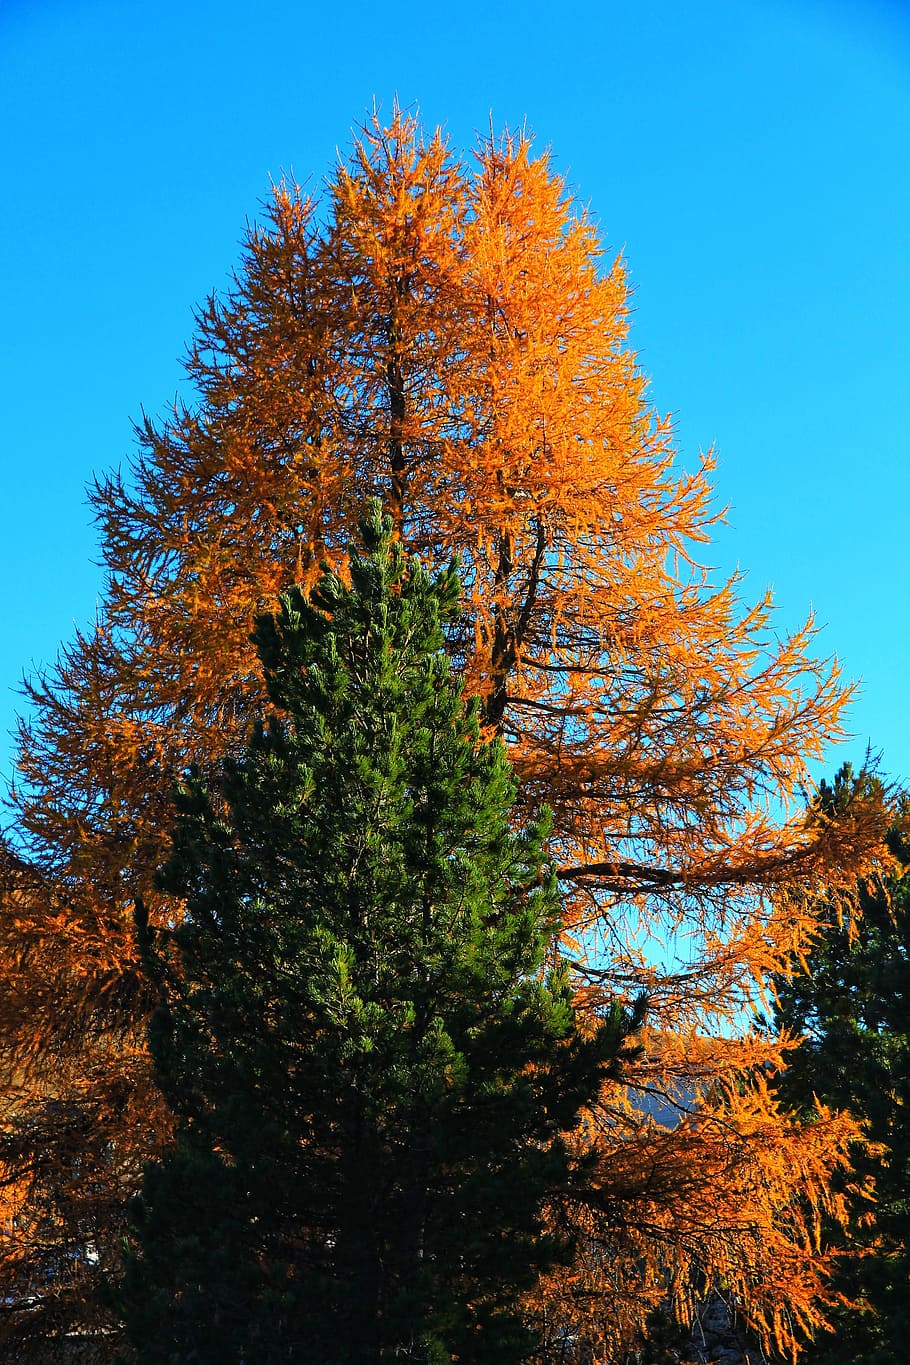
pixel 853 1005
pixel 365 1027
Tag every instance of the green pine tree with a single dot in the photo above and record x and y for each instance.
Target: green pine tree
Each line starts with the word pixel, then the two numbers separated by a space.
pixel 853 1006
pixel 365 1027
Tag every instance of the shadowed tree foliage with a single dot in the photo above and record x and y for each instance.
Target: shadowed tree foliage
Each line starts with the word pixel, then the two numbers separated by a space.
pixel 448 336
pixel 851 1004
pixel 367 1032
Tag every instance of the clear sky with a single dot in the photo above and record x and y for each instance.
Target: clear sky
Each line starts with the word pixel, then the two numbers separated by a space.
pixel 752 161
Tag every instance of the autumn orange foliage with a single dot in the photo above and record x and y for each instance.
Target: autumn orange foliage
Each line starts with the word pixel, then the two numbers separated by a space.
pixel 449 336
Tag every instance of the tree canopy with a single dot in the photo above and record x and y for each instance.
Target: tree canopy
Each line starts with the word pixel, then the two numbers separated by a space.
pixel 449 337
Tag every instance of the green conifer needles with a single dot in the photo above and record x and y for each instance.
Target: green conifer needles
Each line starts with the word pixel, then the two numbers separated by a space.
pixel 365 1026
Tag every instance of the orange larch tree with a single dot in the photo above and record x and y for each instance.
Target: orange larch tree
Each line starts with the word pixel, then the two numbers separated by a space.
pixel 448 336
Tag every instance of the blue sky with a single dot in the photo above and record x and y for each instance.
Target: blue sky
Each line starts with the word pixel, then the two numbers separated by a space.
pixel 750 159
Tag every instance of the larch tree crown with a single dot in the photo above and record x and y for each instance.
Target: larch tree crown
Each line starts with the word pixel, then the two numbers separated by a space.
pixel 446 335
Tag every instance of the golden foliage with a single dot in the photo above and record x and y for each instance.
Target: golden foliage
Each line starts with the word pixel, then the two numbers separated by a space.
pixel 448 336
pixel 732 1195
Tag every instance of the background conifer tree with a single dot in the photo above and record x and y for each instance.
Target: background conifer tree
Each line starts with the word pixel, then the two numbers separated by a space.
pixel 368 1033
pixel 851 1007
